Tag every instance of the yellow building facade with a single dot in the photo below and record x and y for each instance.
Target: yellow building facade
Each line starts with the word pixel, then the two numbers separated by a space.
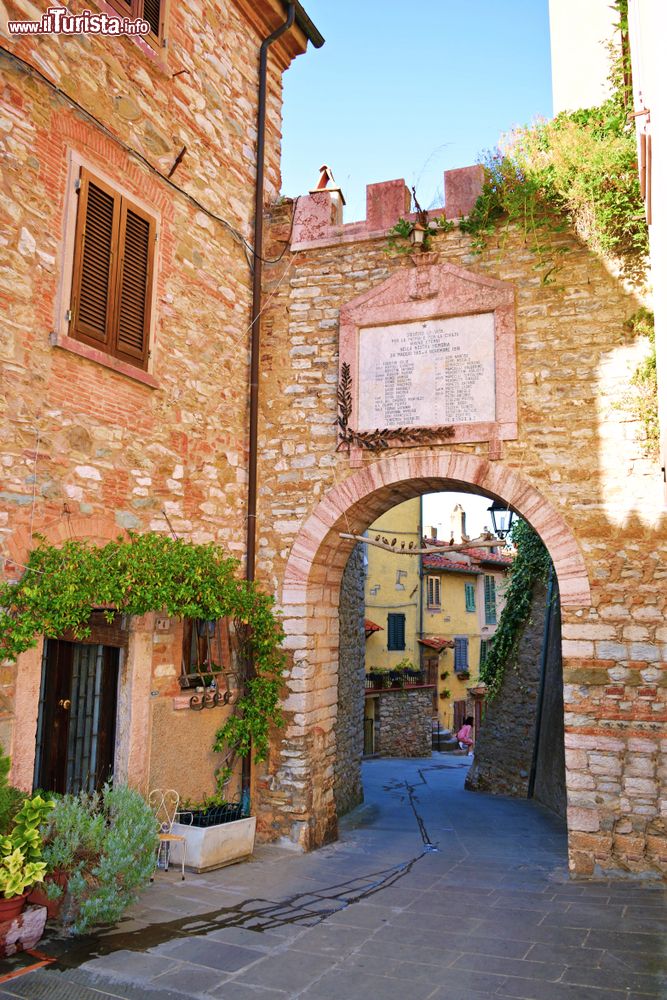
pixel 438 611
pixel 463 597
pixel 392 591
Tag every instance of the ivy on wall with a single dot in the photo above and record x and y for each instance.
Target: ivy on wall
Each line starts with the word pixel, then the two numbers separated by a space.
pixel 530 566
pixel 150 572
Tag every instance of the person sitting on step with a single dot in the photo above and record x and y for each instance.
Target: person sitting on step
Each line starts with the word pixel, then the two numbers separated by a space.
pixel 464 735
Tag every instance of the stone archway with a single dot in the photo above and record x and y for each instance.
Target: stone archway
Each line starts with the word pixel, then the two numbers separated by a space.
pixel 299 786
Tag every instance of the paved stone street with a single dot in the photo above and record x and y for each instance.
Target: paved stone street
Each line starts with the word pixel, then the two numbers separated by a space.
pixel 431 892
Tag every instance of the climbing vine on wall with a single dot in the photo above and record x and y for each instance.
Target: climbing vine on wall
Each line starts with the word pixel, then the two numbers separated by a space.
pixel 530 566
pixel 582 164
pixel 150 572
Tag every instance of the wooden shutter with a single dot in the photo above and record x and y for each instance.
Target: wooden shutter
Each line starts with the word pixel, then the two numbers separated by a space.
pixel 395 631
pixel 153 13
pixel 433 591
pixel 461 654
pixel 470 597
pixel 483 651
pixel 135 280
pixel 98 219
pixel 490 600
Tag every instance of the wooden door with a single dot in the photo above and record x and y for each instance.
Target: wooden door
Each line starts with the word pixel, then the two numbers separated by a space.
pixel 77 716
pixel 459 715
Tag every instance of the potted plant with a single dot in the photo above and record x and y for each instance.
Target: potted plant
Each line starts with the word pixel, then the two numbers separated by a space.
pixel 21 864
pixel 103 847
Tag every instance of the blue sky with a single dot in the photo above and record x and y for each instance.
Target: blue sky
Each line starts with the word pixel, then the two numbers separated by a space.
pixel 410 90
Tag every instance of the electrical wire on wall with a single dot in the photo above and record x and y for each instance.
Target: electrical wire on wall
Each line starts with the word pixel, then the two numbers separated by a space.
pixel 238 237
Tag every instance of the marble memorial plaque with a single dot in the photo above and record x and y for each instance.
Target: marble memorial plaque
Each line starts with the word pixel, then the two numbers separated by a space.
pixel 428 373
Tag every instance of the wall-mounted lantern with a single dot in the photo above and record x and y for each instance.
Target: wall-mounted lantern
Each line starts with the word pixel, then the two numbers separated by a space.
pixel 502 518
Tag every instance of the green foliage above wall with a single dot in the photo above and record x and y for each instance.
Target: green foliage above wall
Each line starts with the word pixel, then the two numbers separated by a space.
pixel 582 165
pixel 145 573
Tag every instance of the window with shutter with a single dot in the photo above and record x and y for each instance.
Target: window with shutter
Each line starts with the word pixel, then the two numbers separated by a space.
pixel 433 591
pixel 484 646
pixel 395 631
pixel 461 654
pixel 112 273
pixel 490 600
pixel 470 596
pixel 152 11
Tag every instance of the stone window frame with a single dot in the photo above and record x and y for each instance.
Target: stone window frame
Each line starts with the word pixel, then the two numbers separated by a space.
pixel 60 335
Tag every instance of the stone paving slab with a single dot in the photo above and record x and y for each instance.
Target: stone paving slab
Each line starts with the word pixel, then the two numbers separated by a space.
pixel 380 915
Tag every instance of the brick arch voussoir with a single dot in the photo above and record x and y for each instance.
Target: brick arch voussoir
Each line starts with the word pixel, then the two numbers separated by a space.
pixel 355 503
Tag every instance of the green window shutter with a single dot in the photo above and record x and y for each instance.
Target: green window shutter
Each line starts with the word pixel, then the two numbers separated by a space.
pixel 395 631
pixel 461 654
pixel 490 600
pixel 483 652
pixel 470 596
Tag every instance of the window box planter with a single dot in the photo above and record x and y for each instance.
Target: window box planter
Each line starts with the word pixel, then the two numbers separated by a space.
pixel 214 838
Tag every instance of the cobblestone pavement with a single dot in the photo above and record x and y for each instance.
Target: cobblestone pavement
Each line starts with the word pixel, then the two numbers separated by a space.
pixel 432 893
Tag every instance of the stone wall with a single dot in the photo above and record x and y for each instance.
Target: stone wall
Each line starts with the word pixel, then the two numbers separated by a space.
pixel 576 470
pixel 403 723
pixel 91 447
pixel 504 748
pixel 348 789
pixel 550 766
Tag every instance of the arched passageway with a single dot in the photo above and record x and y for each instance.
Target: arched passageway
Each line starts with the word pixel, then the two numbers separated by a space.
pixel 299 785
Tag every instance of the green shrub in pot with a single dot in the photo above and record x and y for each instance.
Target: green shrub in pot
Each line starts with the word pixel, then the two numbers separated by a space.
pixel 106 843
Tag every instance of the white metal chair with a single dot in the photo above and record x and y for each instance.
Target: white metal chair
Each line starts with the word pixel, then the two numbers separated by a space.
pixel 164 803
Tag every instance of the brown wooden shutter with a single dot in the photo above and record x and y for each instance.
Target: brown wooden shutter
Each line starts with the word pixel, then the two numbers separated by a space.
pixel 135 279
pixel 152 13
pixel 93 280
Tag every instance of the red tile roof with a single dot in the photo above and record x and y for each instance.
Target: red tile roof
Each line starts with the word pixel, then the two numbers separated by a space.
pixel 371 627
pixel 484 556
pixel 436 561
pixel 436 642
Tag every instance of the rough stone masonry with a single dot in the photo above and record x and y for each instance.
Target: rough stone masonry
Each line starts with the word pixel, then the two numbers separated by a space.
pixel 574 468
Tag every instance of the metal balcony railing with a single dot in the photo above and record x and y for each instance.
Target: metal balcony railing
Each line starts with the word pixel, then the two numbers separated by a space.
pixel 378 680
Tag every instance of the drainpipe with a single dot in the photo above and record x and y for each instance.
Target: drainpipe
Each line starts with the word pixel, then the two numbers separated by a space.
pixel 421 571
pixel 254 338
pixel 295 12
pixel 540 693
pixel 257 292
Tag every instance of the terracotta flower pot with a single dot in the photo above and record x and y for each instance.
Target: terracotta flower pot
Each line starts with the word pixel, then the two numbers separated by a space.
pixel 37 895
pixel 12 908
